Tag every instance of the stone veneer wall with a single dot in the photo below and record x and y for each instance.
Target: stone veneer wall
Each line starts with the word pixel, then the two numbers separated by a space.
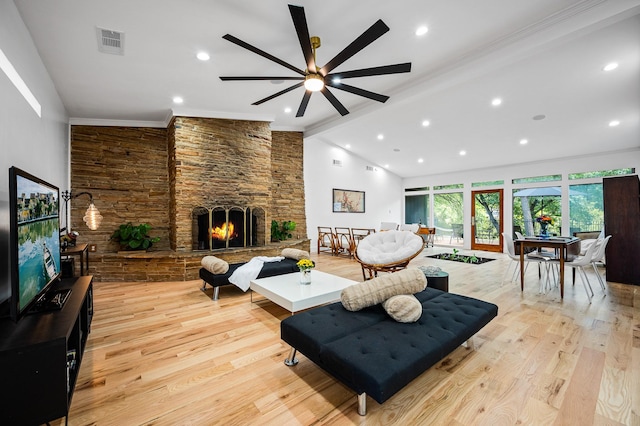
pixel 157 176
pixel 125 169
pixel 287 190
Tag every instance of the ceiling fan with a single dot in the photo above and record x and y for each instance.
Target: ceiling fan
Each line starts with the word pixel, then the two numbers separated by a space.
pixel 316 79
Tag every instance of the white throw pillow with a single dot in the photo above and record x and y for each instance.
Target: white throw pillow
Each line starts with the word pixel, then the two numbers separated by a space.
pixel 214 265
pixel 295 254
pixel 403 308
pixel 377 290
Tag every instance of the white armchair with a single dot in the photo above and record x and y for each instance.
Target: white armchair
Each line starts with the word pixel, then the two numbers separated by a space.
pixel 412 227
pixel 388 226
pixel 388 251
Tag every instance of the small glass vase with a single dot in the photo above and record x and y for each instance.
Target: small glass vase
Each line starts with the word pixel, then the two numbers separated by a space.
pixel 544 231
pixel 305 276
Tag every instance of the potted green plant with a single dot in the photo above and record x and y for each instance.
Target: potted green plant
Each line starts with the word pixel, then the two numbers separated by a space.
pixel 134 237
pixel 282 231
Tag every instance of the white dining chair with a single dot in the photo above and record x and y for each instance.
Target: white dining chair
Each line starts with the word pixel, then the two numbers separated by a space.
pixel 579 263
pixel 508 244
pixel 598 257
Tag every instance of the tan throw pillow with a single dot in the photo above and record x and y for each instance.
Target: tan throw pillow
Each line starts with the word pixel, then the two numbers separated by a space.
pixel 214 265
pixel 403 308
pixel 377 290
pixel 295 254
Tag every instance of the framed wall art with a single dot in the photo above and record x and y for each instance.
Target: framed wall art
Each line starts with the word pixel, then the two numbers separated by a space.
pixel 347 201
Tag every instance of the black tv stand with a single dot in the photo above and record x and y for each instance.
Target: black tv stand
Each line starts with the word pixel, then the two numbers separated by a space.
pixel 42 354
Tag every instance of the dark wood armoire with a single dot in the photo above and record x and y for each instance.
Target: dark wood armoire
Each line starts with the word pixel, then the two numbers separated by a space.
pixel 622 222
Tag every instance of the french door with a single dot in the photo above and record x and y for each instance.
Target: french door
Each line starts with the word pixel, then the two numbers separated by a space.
pixel 487 220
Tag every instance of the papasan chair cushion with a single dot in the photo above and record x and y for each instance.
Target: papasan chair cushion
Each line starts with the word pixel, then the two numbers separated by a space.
pixel 388 251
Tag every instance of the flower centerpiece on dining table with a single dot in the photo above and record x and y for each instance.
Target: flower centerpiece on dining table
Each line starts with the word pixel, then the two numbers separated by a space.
pixel 305 266
pixel 544 222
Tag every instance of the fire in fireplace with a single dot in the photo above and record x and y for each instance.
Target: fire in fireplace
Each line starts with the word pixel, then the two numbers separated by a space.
pixel 228 227
pixel 227 230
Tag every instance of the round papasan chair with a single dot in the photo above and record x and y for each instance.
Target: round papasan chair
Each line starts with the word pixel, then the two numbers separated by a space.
pixel 387 251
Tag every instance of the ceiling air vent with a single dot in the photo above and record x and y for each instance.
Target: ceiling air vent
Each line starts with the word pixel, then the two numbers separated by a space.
pixel 337 163
pixel 110 41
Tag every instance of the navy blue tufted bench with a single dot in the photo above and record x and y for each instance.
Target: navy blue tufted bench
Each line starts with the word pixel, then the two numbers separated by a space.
pixel 373 354
pixel 269 269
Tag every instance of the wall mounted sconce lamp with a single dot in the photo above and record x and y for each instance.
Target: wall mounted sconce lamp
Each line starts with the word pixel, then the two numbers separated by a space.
pixel 92 216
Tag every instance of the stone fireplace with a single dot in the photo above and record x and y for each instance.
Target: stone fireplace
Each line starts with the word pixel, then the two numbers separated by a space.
pixel 186 180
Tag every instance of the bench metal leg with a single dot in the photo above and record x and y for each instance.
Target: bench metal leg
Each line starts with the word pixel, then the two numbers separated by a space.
pixel 362 404
pixel 291 361
pixel 470 344
pixel 216 290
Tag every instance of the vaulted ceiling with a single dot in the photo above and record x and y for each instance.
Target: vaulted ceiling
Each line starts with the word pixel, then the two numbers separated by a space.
pixel 544 59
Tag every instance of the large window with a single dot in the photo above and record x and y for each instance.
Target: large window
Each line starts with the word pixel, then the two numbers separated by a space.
pixel 532 203
pixel 586 208
pixel 448 217
pixel 416 209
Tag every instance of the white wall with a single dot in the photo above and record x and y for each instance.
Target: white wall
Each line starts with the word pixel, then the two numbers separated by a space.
pixel 564 166
pixel 383 190
pixel 37 145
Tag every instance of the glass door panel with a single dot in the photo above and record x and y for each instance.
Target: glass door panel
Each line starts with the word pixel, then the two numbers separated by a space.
pixel 486 220
pixel 448 218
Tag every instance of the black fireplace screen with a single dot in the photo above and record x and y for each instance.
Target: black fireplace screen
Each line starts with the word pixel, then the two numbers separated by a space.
pixel 228 228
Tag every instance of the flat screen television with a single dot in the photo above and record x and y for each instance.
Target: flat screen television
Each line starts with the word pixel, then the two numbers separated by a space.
pixel 34 239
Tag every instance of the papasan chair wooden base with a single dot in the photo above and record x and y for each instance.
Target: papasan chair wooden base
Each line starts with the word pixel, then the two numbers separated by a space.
pixel 388 251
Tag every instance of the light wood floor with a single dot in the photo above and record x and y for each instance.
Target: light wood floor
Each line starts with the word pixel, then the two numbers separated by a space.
pixel 165 354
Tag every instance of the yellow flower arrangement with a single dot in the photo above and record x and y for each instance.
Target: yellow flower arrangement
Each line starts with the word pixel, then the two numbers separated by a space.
pixel 305 264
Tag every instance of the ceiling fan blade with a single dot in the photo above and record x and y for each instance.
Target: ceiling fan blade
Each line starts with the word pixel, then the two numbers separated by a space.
pixel 259 78
pixel 282 92
pixel 365 39
pixel 334 101
pixel 304 103
pixel 262 53
pixel 300 22
pixel 368 72
pixel 357 91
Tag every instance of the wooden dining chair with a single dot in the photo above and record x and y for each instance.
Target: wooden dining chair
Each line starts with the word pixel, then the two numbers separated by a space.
pixel 325 240
pixel 342 242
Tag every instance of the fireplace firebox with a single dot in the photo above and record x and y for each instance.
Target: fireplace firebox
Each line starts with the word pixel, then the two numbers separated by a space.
pixel 221 228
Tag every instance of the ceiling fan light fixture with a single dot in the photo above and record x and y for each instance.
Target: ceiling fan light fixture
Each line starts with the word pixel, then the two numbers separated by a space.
pixel 314 82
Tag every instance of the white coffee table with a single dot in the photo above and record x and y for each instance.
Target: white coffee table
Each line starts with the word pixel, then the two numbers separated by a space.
pixel 286 290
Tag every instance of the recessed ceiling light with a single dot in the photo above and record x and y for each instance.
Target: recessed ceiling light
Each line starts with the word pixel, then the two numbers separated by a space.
pixel 347 146
pixel 420 160
pixel 425 123
pixel 614 123
pixel 386 166
pixel 380 136
pixel 496 101
pixel 287 110
pixel 610 66
pixel 178 100
pixel 203 56
pixel 422 30
pixel 523 141
pixel 463 152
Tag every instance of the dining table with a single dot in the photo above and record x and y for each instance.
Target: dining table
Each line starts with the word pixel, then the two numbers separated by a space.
pixel 565 249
